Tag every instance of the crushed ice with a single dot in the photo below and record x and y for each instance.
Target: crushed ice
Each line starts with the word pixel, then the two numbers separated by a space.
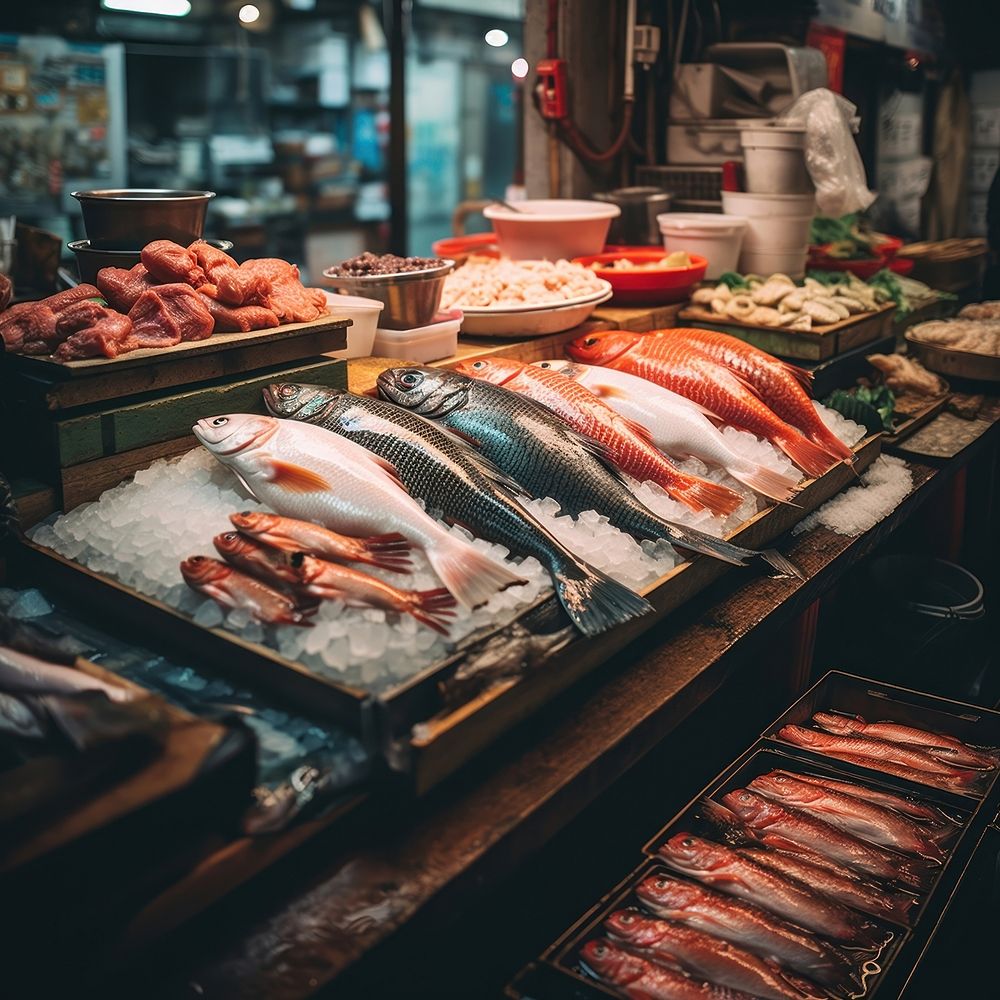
pixel 882 488
pixel 138 532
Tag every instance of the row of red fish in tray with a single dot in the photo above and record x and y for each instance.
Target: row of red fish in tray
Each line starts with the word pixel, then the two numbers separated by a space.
pixel 174 294
pixel 279 569
pixel 803 887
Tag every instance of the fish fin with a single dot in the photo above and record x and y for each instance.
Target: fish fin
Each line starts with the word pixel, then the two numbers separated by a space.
pixel 472 576
pixel 803 377
pixel 600 452
pixel 390 470
pixel 708 545
pixel 295 478
pixel 702 494
pixel 832 445
pixel 462 436
pixel 387 543
pixel 639 430
pixel 809 457
pixel 768 483
pixel 746 384
pixel 594 601
pixel 784 567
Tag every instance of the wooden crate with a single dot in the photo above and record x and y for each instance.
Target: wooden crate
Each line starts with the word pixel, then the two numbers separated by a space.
pixel 446 738
pixel 809 345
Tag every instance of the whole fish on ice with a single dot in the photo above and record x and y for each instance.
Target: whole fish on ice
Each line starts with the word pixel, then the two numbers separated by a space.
pixel 681 368
pixel 453 479
pixel 677 426
pixel 309 473
pixel 549 458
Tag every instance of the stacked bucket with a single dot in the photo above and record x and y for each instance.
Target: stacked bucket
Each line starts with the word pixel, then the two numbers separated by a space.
pixel 778 204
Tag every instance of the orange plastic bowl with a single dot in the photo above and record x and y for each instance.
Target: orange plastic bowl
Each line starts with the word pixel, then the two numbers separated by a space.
pixel 647 287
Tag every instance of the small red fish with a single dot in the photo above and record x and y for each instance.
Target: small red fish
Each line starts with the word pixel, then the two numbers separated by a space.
pixel 390 552
pixel 947 748
pixel 232 589
pixel 717 389
pixel 272 566
pixel 638 979
pixel 628 444
pixel 332 582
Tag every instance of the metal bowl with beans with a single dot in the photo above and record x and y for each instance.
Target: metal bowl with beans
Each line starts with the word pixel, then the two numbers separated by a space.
pixel 409 287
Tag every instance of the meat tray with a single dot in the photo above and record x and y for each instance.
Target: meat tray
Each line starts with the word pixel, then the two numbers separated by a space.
pixel 761 760
pixel 877 701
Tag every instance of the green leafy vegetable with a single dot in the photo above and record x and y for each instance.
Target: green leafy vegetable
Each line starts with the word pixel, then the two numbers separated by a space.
pixel 882 399
pixel 855 409
pixel 846 236
pixel 733 280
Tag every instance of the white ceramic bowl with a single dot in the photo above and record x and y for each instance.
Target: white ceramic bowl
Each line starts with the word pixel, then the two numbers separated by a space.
pixel 516 321
pixel 364 315
pixel 552 228
pixel 717 238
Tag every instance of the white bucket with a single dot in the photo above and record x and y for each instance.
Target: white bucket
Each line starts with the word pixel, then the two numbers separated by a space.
pixel 766 262
pixel 363 314
pixel 717 238
pixel 752 205
pixel 774 161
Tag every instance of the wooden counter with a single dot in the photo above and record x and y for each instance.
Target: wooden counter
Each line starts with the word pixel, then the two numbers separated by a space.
pixel 362 906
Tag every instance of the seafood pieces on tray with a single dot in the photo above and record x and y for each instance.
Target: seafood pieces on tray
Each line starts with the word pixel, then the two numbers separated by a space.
pixel 904 751
pixel 175 294
pixel 801 887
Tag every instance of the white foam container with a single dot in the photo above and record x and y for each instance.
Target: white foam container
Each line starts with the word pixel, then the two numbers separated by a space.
pixel 773 221
pixel 751 205
pixel 774 160
pixel 782 261
pixel 425 343
pixel 364 315
pixel 717 238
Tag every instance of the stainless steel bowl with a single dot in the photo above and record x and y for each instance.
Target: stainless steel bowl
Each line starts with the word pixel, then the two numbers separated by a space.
pixel 411 298
pixel 129 218
pixel 637 225
pixel 90 260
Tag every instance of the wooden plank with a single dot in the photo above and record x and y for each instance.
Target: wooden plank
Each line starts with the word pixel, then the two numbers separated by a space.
pixel 330 329
pixel 86 482
pixel 911 414
pixel 640 319
pixel 164 418
pixel 440 745
pixel 871 326
pixel 166 374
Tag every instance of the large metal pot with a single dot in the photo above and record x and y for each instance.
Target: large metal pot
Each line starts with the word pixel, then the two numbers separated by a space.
pixel 637 226
pixel 129 218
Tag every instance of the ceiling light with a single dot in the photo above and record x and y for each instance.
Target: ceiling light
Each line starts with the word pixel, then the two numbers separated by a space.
pixel 497 37
pixel 165 8
pixel 519 67
pixel 248 14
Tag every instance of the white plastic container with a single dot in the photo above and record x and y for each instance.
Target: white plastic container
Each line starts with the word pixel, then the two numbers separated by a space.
pixel 766 262
pixel 774 160
pixel 552 228
pixel 717 238
pixel 426 343
pixel 363 314
pixel 773 221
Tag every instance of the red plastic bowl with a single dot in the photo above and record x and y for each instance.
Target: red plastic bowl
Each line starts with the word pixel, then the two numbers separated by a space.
pixel 820 260
pixel 460 247
pixel 668 284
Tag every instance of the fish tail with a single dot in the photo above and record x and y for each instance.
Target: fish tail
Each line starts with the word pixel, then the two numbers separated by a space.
pixel 809 457
pixel 433 608
pixel 830 443
pixel 767 482
pixel 469 574
pixel 699 494
pixel 594 601
pixel 707 545
pixel 784 566
pixel 390 552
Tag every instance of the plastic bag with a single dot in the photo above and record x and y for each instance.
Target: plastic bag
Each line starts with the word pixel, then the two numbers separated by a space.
pixel 832 157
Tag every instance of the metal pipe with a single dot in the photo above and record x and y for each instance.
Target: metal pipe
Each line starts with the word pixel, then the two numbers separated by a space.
pixel 396 13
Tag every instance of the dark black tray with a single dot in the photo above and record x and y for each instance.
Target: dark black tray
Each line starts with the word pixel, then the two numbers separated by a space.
pixel 877 701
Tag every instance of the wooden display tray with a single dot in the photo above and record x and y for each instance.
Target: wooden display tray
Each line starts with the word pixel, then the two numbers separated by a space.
pixel 809 345
pixel 63 385
pixel 912 412
pixel 949 361
pixel 447 738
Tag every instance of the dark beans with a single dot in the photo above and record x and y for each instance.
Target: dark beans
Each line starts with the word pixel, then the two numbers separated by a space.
pixel 370 263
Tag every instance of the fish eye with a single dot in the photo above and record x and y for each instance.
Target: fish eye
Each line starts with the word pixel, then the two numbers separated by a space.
pixel 220 421
pixel 244 513
pixel 544 364
pixel 661 883
pixel 479 365
pixel 196 559
pixel 687 842
pixel 590 341
pixel 598 950
pixel 627 918
pixel 409 378
pixel 231 536
pixel 744 796
pixel 288 390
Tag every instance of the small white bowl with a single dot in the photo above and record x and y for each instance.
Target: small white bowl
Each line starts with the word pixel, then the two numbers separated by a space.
pixel 516 321
pixel 552 228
